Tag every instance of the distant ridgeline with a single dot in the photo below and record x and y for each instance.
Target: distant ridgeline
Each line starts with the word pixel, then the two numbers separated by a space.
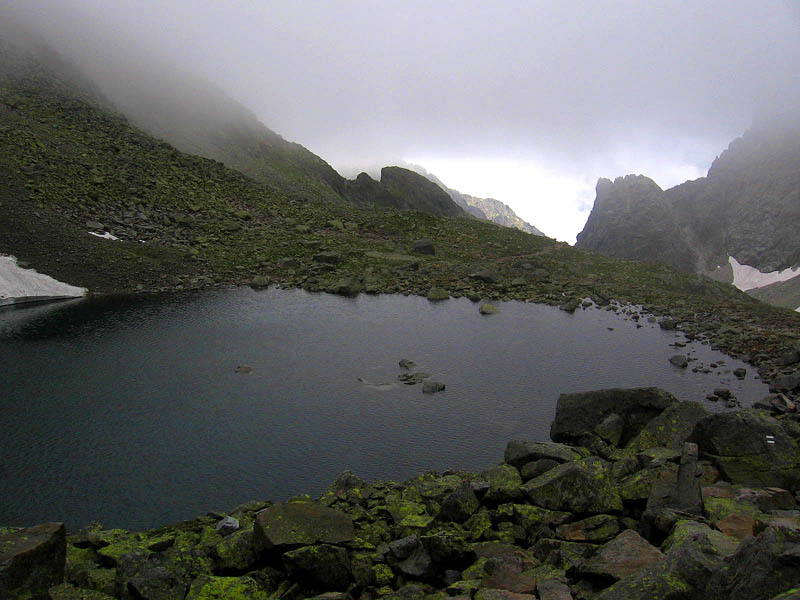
pixel 748 208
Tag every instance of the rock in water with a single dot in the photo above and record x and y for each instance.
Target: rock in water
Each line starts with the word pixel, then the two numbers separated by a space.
pixel 488 309
pixel 680 361
pixel 32 560
pixel 431 387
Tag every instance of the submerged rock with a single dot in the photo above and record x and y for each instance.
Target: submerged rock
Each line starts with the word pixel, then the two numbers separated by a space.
pixel 432 387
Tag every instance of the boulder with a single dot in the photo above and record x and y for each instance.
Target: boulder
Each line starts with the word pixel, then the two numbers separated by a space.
pixel 236 552
pixel 436 294
pixel 207 587
pixel 536 468
pixel 504 484
pixel 459 505
pixel 328 257
pixel 423 246
pixel 679 360
pixel 347 286
pixel 322 567
pixel 675 495
pixel 160 575
pixel 762 567
pixel 625 554
pixel 596 529
pixel 579 414
pixel 750 448
pixel 227 526
pixel 294 524
pixel 486 276
pixel 685 531
pixel 785 383
pixel 671 428
pixel 520 452
pixel 582 486
pixel 553 590
pixel 432 387
pixel 488 309
pixel 683 574
pixel 32 560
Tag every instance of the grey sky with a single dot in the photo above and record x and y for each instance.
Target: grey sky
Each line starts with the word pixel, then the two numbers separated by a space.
pixel 573 89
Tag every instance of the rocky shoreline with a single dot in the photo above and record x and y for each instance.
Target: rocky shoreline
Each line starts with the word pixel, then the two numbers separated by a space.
pixel 638 496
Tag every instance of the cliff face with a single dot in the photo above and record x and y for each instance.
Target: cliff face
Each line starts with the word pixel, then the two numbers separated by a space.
pixel 633 219
pixel 747 207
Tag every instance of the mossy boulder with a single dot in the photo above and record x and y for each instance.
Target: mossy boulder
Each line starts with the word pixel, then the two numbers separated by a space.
pixel 685 532
pixel 578 414
pixel 32 560
pixel 236 552
pixel 226 588
pixel 751 448
pixel 323 567
pixel 520 452
pixel 504 484
pixel 671 428
pixel 295 524
pixel 582 486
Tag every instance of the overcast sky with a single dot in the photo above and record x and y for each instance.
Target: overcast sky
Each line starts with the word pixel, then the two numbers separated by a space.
pixel 525 101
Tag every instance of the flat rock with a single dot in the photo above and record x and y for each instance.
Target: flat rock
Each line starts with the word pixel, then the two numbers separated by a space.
pixel 520 452
pixel 32 560
pixel 671 428
pixel 625 554
pixel 293 524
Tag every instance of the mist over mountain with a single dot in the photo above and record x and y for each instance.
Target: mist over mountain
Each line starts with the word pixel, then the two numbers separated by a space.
pixel 747 207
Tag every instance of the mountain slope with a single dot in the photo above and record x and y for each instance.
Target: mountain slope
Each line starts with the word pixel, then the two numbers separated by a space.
pixel 632 219
pixel 483 208
pixel 747 207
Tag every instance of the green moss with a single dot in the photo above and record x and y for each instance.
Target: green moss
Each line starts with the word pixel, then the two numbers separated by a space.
pixel 719 508
pixel 226 588
pixel 382 575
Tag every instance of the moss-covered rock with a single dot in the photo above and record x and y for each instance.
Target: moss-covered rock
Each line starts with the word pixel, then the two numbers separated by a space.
pixel 226 588
pixel 582 486
pixel 300 524
pixel 504 484
pixel 323 567
pixel 671 428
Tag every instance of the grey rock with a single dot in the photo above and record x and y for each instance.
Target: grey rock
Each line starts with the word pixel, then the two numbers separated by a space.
pixel 32 560
pixel 486 276
pixel 322 566
pixel 432 387
pixel 459 505
pixel 578 414
pixel 679 360
pixel 406 363
pixel 227 526
pixel 520 452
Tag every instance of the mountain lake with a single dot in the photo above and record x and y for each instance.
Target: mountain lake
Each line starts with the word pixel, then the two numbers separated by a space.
pixel 142 411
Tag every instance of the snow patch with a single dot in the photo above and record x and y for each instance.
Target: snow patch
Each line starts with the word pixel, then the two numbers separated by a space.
pixel 746 277
pixel 19 285
pixel 105 235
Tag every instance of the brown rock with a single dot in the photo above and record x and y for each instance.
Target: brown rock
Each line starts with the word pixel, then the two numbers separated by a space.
pixel 737 525
pixel 554 590
pixel 625 554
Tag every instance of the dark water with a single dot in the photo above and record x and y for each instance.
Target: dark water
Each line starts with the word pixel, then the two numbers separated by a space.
pixel 129 411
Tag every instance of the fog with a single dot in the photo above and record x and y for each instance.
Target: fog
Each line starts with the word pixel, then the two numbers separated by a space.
pixel 528 102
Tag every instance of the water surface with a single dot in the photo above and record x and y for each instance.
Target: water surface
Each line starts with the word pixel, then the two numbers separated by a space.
pixel 130 410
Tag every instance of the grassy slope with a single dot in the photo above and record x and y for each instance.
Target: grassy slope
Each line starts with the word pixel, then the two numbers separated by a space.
pixel 782 293
pixel 64 160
